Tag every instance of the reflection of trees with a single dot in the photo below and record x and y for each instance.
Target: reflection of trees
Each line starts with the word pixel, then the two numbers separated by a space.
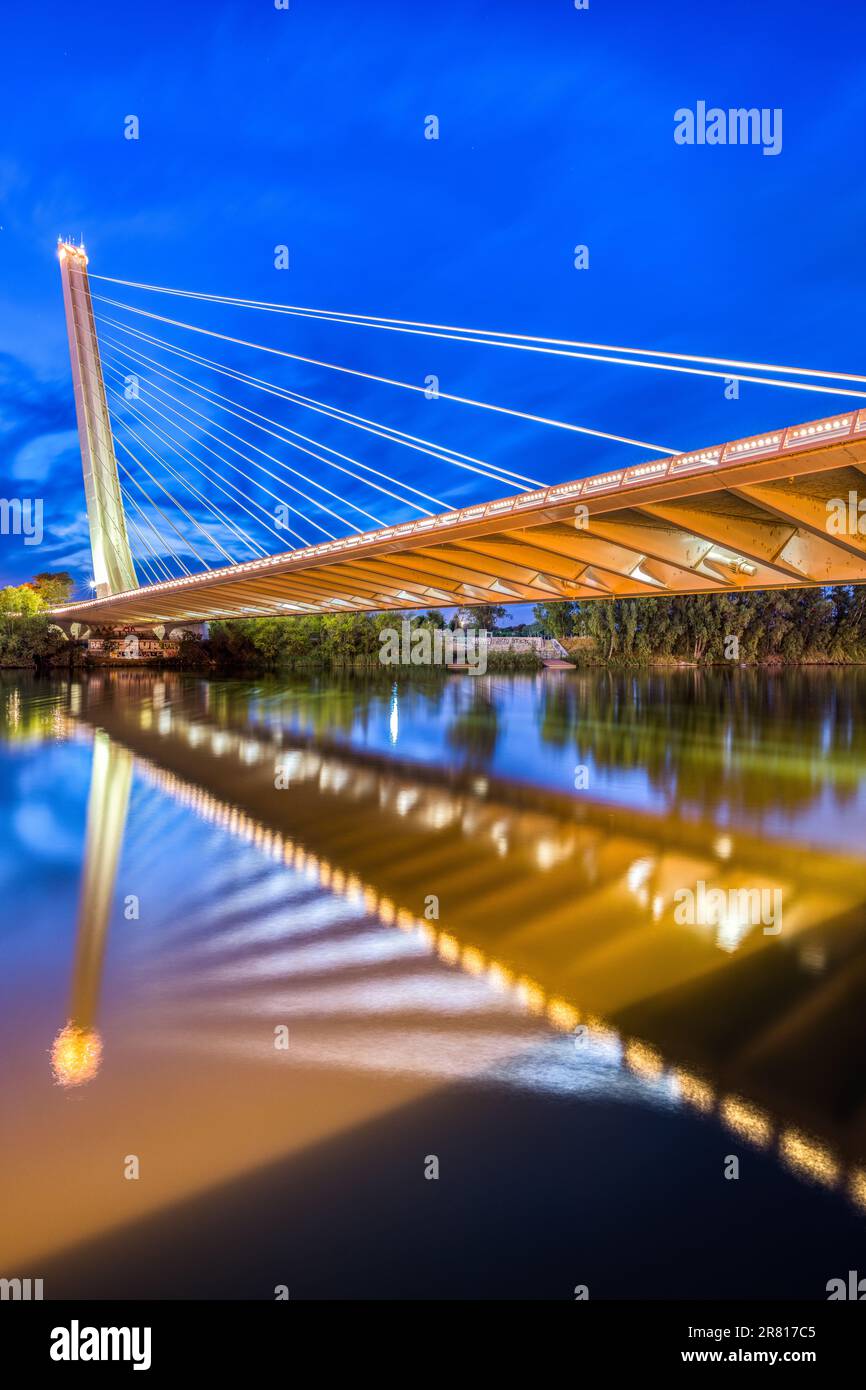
pixel 27 713
pixel 752 737
pixel 324 702
pixel 475 726
pixel 756 738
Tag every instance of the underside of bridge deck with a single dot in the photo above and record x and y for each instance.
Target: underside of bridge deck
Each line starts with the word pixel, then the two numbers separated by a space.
pixel 775 511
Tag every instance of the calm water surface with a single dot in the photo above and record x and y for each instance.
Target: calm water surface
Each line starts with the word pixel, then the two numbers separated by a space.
pixel 282 944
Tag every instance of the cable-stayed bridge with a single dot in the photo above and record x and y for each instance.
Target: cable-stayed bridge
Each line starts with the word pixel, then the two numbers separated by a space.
pixel 226 531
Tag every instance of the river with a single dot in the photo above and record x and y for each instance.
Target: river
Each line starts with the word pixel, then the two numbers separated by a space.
pixel 343 987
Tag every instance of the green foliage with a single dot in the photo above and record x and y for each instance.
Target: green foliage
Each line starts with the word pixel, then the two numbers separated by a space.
pixel 514 661
pixel 787 625
pixel 26 636
pixel 486 616
pixel 54 587
pixel 27 639
pixel 554 619
pixel 330 639
pixel 790 625
pixel 23 600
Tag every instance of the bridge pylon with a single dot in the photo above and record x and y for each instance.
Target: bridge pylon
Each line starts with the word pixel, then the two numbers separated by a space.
pixel 113 568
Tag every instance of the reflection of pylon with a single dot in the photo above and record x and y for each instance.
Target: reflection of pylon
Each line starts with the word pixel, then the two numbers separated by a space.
pixel 113 569
pixel 77 1049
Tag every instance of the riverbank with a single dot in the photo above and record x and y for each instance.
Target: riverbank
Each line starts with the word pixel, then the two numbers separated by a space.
pixel 622 639
pixel 597 662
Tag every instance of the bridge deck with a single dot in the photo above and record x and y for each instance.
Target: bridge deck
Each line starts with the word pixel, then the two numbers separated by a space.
pixel 767 512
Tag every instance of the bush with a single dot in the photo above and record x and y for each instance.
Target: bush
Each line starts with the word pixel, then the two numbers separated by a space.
pixel 28 640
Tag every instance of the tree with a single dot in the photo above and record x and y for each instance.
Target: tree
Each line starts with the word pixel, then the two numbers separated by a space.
pixel 599 620
pixel 557 619
pixel 23 600
pixel 55 586
pixel 483 615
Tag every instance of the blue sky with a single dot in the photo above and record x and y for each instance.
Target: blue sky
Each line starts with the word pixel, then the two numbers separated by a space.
pixel 305 127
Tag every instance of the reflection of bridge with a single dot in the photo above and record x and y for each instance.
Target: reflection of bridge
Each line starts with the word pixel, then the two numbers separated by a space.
pixel 750 514
pixel 730 1006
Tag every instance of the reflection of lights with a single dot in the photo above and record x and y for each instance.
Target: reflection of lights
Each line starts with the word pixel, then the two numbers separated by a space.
pixel 472 960
pixel 394 717
pixel 479 786
pixel 439 816
pixel 288 765
pixel 548 853
pixel 163 722
pixel 747 1120
pixel 449 948
pixel 698 1093
pixel 643 1060
pixel 499 837
pixel 406 799
pixel 531 996
pixel 500 976
pixel 734 925
pixel 427 932
pixel 638 873
pixel 804 1155
pixel 599 1031
pixel 562 1015
pixel 724 846
pixel 75 1055
pixel 857 1187
pixel 13 710
pixel 658 906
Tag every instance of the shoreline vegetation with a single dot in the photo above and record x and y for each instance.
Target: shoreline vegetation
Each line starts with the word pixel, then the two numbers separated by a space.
pixel 767 628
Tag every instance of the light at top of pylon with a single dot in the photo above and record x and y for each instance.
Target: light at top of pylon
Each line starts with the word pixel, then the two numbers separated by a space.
pixel 68 248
